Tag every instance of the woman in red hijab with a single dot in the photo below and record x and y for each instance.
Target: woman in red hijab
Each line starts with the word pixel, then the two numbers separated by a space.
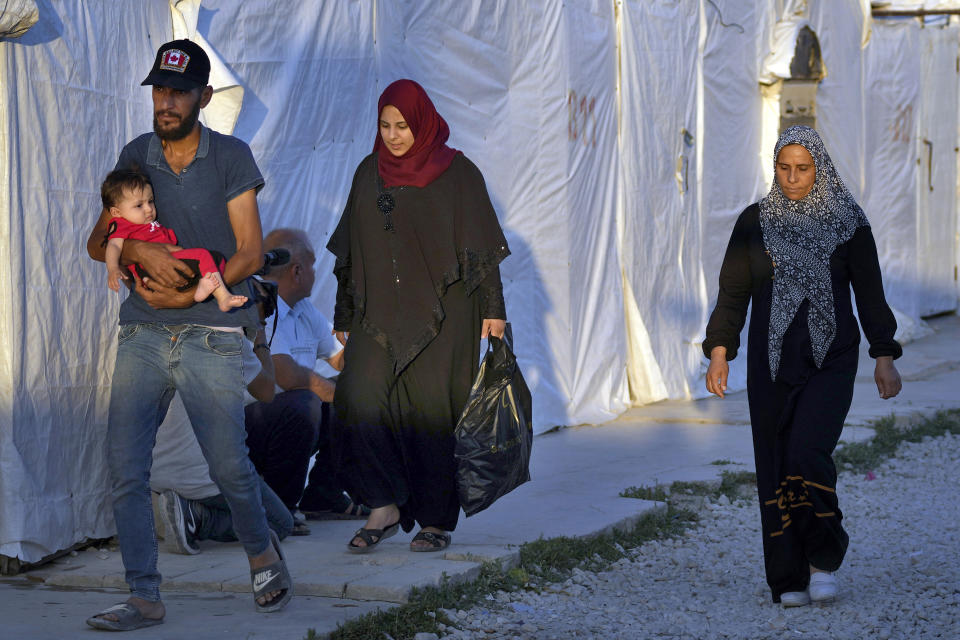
pixel 418 249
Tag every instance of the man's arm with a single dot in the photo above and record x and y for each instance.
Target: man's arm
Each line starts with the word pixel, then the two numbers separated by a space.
pixel 291 375
pixel 336 360
pixel 262 387
pixel 245 221
pixel 95 248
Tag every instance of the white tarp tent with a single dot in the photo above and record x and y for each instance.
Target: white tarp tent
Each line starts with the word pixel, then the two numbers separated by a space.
pixel 911 92
pixel 660 221
pixel 703 130
pixel 69 100
pixel 619 139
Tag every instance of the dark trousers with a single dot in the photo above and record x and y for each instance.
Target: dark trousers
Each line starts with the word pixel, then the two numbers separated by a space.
pixel 795 430
pixel 281 437
pixel 215 522
pixel 324 492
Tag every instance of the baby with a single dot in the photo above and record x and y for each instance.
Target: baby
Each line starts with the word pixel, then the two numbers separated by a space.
pixel 128 196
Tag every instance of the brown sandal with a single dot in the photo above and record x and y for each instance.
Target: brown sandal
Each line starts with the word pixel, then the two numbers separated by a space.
pixel 437 541
pixel 372 537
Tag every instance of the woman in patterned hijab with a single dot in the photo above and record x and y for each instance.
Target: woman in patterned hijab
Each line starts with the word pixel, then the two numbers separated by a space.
pixel 795 255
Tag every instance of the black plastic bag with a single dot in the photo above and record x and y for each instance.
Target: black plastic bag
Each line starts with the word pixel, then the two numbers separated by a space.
pixel 495 432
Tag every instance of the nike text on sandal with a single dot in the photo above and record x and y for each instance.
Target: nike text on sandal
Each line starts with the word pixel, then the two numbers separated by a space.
pixel 179 525
pixel 273 577
pixel 128 619
pixel 371 538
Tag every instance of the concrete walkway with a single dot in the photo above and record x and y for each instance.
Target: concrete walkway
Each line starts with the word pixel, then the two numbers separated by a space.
pixel 578 474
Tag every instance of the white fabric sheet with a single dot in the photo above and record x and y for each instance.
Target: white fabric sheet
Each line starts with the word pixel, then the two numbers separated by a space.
pixel 893 78
pixel 937 147
pixel 736 156
pixel 619 140
pixel 222 111
pixel 660 222
pixel 911 89
pixel 64 121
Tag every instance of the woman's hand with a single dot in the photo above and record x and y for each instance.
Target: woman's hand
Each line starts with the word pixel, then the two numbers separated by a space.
pixel 887 377
pixel 342 336
pixel 493 327
pixel 718 371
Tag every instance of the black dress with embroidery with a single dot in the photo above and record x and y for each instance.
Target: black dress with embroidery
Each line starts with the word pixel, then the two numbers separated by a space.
pixel 414 286
pixel 797 418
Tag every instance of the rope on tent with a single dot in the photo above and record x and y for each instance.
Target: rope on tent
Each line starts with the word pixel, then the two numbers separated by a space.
pixel 722 23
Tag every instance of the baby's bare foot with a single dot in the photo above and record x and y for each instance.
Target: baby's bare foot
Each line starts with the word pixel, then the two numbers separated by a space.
pixel 229 301
pixel 207 285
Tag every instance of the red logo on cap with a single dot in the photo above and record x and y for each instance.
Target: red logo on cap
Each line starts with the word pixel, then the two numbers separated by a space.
pixel 174 60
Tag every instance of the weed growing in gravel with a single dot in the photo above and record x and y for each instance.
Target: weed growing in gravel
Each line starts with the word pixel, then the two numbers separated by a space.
pixel 722 462
pixel 541 561
pixel 657 493
pixel 692 488
pixel 860 457
pixel 732 484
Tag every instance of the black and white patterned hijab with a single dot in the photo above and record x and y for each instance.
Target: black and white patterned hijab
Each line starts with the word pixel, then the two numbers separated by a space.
pixel 800 236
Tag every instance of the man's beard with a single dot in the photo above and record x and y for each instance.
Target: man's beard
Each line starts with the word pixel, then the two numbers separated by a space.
pixel 182 130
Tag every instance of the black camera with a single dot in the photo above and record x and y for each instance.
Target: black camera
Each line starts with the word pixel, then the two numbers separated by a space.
pixel 265 295
pixel 273 259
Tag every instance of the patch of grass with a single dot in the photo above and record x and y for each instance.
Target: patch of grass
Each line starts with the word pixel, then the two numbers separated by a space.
pixel 861 457
pixel 731 483
pixel 657 493
pixel 540 561
pixel 722 462
pixel 552 560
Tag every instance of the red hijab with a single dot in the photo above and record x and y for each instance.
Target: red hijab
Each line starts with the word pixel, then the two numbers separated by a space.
pixel 429 156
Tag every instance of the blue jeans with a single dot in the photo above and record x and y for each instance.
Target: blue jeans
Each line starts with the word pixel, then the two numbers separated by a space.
pixel 205 366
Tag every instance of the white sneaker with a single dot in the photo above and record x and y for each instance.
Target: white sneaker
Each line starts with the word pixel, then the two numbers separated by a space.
pixel 823 587
pixel 794 599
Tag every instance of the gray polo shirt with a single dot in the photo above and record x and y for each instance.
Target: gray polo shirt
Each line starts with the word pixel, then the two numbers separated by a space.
pixel 194 205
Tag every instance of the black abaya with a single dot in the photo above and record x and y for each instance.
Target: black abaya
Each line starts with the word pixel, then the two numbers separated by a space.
pixel 797 418
pixel 413 294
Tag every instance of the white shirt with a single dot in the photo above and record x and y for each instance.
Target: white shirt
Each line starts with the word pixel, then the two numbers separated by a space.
pixel 303 333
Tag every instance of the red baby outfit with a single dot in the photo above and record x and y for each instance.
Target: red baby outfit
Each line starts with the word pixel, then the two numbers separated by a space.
pixel 156 232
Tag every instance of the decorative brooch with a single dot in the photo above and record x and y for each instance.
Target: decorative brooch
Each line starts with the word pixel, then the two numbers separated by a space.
pixel 386 204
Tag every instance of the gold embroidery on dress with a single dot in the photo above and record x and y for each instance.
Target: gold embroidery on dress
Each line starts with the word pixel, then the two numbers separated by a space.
pixel 793 497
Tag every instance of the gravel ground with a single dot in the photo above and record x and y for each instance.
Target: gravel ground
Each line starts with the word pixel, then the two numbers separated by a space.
pixel 900 579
